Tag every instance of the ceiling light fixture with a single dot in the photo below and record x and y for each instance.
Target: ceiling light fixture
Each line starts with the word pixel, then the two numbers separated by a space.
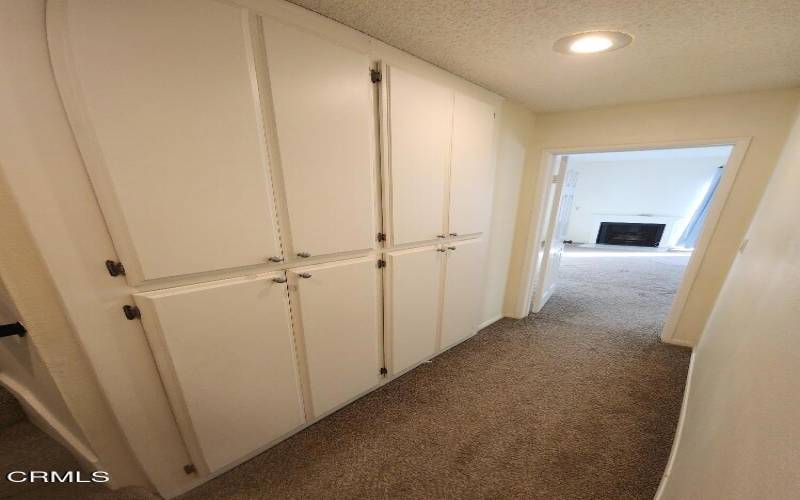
pixel 592 42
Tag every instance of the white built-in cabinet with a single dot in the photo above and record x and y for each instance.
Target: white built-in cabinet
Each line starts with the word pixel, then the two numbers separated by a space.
pixel 438 160
pixel 337 315
pixel 418 132
pixel 235 159
pixel 433 299
pixel 324 111
pixel 413 305
pixel 164 103
pixel 226 355
pixel 472 166
pixel 463 290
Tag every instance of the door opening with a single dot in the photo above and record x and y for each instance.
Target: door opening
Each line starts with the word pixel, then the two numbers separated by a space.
pixel 612 214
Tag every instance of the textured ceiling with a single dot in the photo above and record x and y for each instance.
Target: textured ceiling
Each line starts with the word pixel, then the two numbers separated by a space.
pixel 681 48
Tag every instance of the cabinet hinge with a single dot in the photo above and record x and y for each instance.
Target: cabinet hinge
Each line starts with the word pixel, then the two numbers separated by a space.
pixel 115 268
pixel 189 469
pixel 381 263
pixel 375 75
pixel 131 312
pixel 384 371
pixel 381 236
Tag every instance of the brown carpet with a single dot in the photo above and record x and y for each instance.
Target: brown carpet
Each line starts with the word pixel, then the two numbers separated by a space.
pixel 579 401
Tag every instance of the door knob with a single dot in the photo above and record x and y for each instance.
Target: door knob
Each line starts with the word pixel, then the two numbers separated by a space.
pixel 304 275
pixel 275 259
pixel 279 280
pixel 304 255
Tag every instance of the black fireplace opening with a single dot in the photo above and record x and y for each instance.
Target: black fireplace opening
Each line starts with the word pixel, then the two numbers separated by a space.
pixel 630 233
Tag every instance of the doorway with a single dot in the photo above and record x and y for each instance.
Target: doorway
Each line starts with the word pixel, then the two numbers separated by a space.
pixel 624 211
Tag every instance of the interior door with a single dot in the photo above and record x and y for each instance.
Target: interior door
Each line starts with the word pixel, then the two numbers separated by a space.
pixel 564 194
pixel 339 317
pixel 324 111
pixel 473 166
pixel 164 104
pixel 420 114
pixel 226 354
pixel 463 290
pixel 413 291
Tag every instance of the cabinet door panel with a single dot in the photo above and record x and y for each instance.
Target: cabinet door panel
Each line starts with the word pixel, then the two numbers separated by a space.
pixel 339 316
pixel 226 355
pixel 473 166
pixel 324 112
pixel 419 129
pixel 164 103
pixel 463 292
pixel 414 292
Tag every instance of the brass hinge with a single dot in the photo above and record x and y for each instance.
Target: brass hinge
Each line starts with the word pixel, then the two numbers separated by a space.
pixel 131 312
pixel 384 371
pixel 381 236
pixel 115 268
pixel 375 75
pixel 381 263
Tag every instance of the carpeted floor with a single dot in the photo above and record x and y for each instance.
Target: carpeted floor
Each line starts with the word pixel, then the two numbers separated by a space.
pixel 578 401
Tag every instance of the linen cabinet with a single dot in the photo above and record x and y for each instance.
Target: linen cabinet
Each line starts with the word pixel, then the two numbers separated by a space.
pixel 438 157
pixel 324 110
pixel 176 153
pixel 226 355
pixel 413 288
pixel 463 290
pixel 336 308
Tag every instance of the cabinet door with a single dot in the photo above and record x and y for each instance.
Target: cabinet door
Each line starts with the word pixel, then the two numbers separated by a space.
pixel 324 109
pixel 420 114
pixel 463 291
pixel 413 293
pixel 473 167
pixel 340 323
pixel 164 103
pixel 226 355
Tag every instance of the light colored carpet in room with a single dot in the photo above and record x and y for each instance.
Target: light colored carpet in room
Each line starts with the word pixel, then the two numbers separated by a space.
pixel 578 401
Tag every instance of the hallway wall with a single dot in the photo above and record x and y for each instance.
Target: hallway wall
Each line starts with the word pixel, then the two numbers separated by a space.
pixel 739 429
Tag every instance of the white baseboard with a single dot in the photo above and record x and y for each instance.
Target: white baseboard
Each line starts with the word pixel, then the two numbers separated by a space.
pixel 678 432
pixel 680 342
pixel 490 321
pixel 43 419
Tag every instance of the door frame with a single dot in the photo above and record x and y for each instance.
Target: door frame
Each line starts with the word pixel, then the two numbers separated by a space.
pixel 538 227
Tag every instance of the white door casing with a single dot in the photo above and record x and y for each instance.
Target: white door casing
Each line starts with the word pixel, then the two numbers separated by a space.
pixel 336 308
pixel 417 157
pixel 412 315
pixel 324 110
pixel 472 167
pixel 463 290
pixel 176 154
pixel 226 355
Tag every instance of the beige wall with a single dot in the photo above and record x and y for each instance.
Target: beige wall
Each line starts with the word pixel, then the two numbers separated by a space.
pixel 515 130
pixel 764 116
pixel 739 433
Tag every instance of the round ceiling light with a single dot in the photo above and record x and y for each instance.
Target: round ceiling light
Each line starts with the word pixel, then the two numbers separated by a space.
pixel 592 42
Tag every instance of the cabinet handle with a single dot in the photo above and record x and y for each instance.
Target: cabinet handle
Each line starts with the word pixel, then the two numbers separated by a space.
pixel 451 248
pixel 304 255
pixel 304 275
pixel 275 259
pixel 441 236
pixel 441 250
pixel 279 280
pixel 453 234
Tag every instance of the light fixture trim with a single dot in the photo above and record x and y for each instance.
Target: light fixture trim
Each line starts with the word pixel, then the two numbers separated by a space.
pixel 592 42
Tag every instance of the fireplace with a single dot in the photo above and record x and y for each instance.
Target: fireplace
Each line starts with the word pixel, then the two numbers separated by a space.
pixel 630 233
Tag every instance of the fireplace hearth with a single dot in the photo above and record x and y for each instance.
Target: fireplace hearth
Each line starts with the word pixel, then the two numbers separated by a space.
pixel 630 233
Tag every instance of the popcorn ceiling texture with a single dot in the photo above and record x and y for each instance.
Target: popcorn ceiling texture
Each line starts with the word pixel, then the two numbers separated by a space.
pixel 681 48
